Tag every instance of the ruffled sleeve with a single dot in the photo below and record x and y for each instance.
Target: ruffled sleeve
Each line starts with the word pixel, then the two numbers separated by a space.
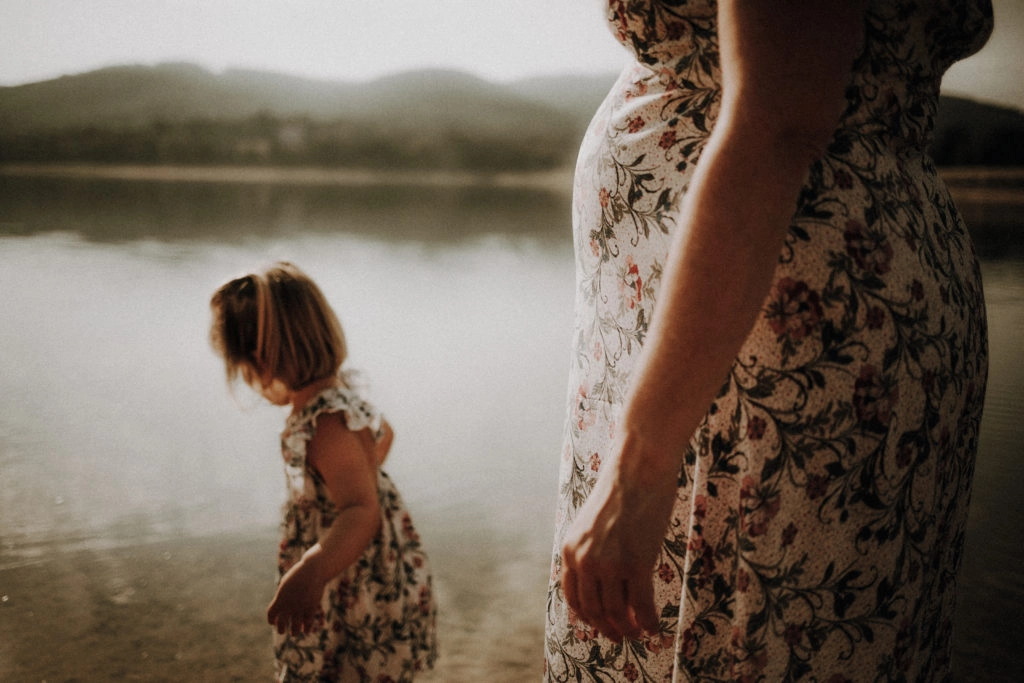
pixel 300 427
pixel 360 414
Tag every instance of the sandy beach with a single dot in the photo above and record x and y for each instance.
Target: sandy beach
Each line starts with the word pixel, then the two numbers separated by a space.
pixel 193 610
pixel 165 611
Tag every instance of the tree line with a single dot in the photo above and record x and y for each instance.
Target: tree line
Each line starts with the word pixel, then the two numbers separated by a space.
pixel 271 140
pixel 966 134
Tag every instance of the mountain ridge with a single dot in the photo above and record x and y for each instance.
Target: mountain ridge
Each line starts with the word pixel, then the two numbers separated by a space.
pixel 178 112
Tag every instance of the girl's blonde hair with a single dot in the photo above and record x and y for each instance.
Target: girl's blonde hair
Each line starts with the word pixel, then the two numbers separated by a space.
pixel 277 324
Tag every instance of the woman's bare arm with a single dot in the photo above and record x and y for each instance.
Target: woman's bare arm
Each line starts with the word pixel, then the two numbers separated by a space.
pixel 785 66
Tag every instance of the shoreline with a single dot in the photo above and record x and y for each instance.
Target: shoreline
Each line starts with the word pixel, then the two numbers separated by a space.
pixel 991 196
pixel 1010 178
pixel 551 180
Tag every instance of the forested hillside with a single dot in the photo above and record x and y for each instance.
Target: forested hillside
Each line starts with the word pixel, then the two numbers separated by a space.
pixel 184 114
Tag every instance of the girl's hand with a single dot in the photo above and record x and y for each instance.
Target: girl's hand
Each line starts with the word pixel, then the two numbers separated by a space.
pixel 296 605
pixel 609 552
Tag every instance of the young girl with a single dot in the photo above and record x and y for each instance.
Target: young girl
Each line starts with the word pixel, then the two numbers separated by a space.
pixel 354 599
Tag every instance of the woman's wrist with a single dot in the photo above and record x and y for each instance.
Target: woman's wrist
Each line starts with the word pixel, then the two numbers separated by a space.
pixel 648 457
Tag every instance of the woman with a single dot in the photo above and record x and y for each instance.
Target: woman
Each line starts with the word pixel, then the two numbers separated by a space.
pixel 781 351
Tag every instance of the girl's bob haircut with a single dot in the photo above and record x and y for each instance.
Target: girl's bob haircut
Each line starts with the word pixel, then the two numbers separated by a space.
pixel 276 324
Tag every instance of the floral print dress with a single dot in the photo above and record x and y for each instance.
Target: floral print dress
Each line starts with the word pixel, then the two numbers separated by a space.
pixel 379 614
pixel 821 505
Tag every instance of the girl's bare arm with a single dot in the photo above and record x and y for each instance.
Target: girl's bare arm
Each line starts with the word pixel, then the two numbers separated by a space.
pixel 349 470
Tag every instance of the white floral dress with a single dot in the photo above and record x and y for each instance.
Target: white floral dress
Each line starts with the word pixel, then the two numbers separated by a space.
pixel 822 501
pixel 380 614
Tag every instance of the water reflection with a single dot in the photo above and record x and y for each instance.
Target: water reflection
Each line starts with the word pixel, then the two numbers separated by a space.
pixel 108 210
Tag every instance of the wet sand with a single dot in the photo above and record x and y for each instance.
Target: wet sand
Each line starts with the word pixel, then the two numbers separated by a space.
pixel 166 611
pixel 193 610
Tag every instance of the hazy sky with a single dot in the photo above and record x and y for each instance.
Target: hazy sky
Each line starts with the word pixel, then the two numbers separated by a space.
pixel 350 40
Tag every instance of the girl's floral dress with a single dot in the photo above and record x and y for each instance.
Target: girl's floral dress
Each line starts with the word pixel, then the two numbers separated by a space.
pixel 379 614
pixel 821 507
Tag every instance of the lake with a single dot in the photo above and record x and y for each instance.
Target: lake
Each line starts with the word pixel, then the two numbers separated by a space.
pixel 140 498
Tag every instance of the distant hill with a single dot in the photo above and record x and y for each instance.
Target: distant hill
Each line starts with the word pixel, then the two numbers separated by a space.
pixel 132 96
pixel 182 113
pixel 578 96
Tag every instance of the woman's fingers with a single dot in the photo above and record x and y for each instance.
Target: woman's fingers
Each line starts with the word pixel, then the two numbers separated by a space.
pixel 582 592
pixel 572 597
pixel 616 611
pixel 607 603
pixel 590 603
pixel 588 590
pixel 640 592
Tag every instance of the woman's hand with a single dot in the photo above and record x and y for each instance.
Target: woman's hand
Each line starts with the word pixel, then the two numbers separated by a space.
pixel 296 605
pixel 609 551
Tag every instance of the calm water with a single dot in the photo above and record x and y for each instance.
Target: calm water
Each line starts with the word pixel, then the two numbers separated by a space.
pixel 116 427
pixel 459 324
